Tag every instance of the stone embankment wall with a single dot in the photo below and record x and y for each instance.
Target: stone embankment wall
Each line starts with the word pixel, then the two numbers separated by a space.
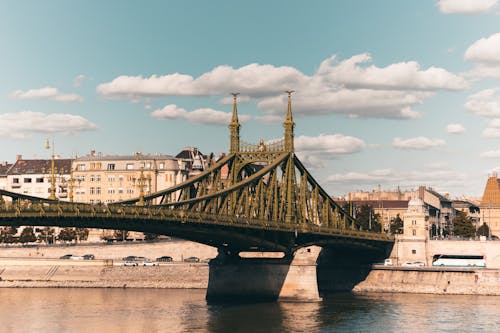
pixel 432 281
pixel 175 248
pixel 99 274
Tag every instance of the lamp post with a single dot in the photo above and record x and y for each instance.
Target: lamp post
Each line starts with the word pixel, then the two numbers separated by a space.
pixel 52 195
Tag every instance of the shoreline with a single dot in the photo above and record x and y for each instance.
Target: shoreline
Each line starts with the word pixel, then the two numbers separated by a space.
pixel 40 268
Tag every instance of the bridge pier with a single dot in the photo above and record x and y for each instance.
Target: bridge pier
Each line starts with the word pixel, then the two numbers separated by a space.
pixel 292 278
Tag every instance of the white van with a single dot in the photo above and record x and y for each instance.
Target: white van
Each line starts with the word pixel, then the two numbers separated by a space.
pixel 388 262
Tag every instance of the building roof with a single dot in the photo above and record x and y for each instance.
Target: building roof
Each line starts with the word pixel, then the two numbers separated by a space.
pixel 26 167
pixel 388 204
pixel 188 152
pixel 4 168
pixel 135 157
pixel 491 195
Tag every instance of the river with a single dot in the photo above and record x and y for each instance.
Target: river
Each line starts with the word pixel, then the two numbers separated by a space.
pixel 52 310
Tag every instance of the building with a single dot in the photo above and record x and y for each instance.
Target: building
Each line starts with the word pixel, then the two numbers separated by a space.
pixel 389 204
pixel 195 161
pixel 110 178
pixel 33 177
pixel 4 168
pixel 490 205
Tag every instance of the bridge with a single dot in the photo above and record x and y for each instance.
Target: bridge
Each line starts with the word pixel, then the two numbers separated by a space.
pixel 258 198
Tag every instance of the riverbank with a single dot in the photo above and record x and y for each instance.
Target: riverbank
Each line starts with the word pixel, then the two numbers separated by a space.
pixel 41 267
pixel 431 280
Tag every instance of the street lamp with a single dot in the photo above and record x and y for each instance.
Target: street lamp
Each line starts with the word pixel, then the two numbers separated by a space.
pixel 52 195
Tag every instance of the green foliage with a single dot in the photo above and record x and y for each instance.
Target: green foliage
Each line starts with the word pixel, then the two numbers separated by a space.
pixel 27 235
pixel 462 225
pixel 148 236
pixel 82 233
pixel 483 230
pixel 121 234
pixel 367 218
pixel 397 225
pixel 8 235
pixel 67 234
pixel 47 235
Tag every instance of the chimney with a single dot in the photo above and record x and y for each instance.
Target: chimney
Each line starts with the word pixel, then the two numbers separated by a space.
pixel 92 153
pixel 19 157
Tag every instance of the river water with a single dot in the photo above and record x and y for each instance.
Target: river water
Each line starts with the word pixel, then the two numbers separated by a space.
pixel 53 310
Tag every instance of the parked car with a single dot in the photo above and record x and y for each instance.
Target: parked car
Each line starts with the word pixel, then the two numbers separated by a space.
pixel 164 259
pixel 76 258
pixel 130 263
pixel 192 259
pixel 148 262
pixel 413 264
pixel 134 258
pixel 88 257
pixel 388 262
pixel 66 256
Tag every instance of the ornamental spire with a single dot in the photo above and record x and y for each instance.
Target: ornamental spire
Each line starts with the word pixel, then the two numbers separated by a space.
pixel 289 124
pixel 234 128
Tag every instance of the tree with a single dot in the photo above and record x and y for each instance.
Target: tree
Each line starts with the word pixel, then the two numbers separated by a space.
pixel 82 234
pixel 483 230
pixel 27 235
pixel 121 234
pixel 397 225
pixel 47 235
pixel 462 225
pixel 148 236
pixel 67 234
pixel 368 219
pixel 9 235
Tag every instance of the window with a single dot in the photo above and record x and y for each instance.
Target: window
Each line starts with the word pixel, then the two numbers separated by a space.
pixel 148 165
pixel 98 178
pixel 27 180
pixel 111 166
pixel 91 191
pixel 414 232
pixel 162 165
pixel 130 166
pixel 120 190
pixel 92 166
pixel 98 166
pixel 413 251
pixel 120 177
pixel 98 190
pixel 80 167
pixel 92 178
pixel 15 180
pixel 39 180
pixel 111 179
pixel 111 190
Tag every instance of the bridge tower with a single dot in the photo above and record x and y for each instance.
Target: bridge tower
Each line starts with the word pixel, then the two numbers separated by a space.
pixel 234 128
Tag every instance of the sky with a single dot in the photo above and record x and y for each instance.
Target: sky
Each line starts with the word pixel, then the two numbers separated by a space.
pixel 390 93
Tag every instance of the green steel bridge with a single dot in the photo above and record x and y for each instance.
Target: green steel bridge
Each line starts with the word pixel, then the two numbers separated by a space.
pixel 259 197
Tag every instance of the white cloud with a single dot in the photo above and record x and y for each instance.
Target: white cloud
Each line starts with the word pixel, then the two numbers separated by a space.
pixel 23 124
pixel 492 131
pixel 400 76
pixel 352 102
pixel 200 116
pixel 347 87
pixel 466 6
pixel 329 144
pixel 485 50
pixel 455 128
pixel 485 103
pixel 48 93
pixel 390 178
pixel 418 143
pixel 313 151
pixel 486 53
pixel 490 154
pixel 78 80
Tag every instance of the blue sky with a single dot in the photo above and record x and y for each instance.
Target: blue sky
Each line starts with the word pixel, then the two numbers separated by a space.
pixel 389 93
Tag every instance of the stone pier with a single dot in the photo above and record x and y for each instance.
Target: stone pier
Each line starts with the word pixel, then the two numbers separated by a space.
pixel 285 279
